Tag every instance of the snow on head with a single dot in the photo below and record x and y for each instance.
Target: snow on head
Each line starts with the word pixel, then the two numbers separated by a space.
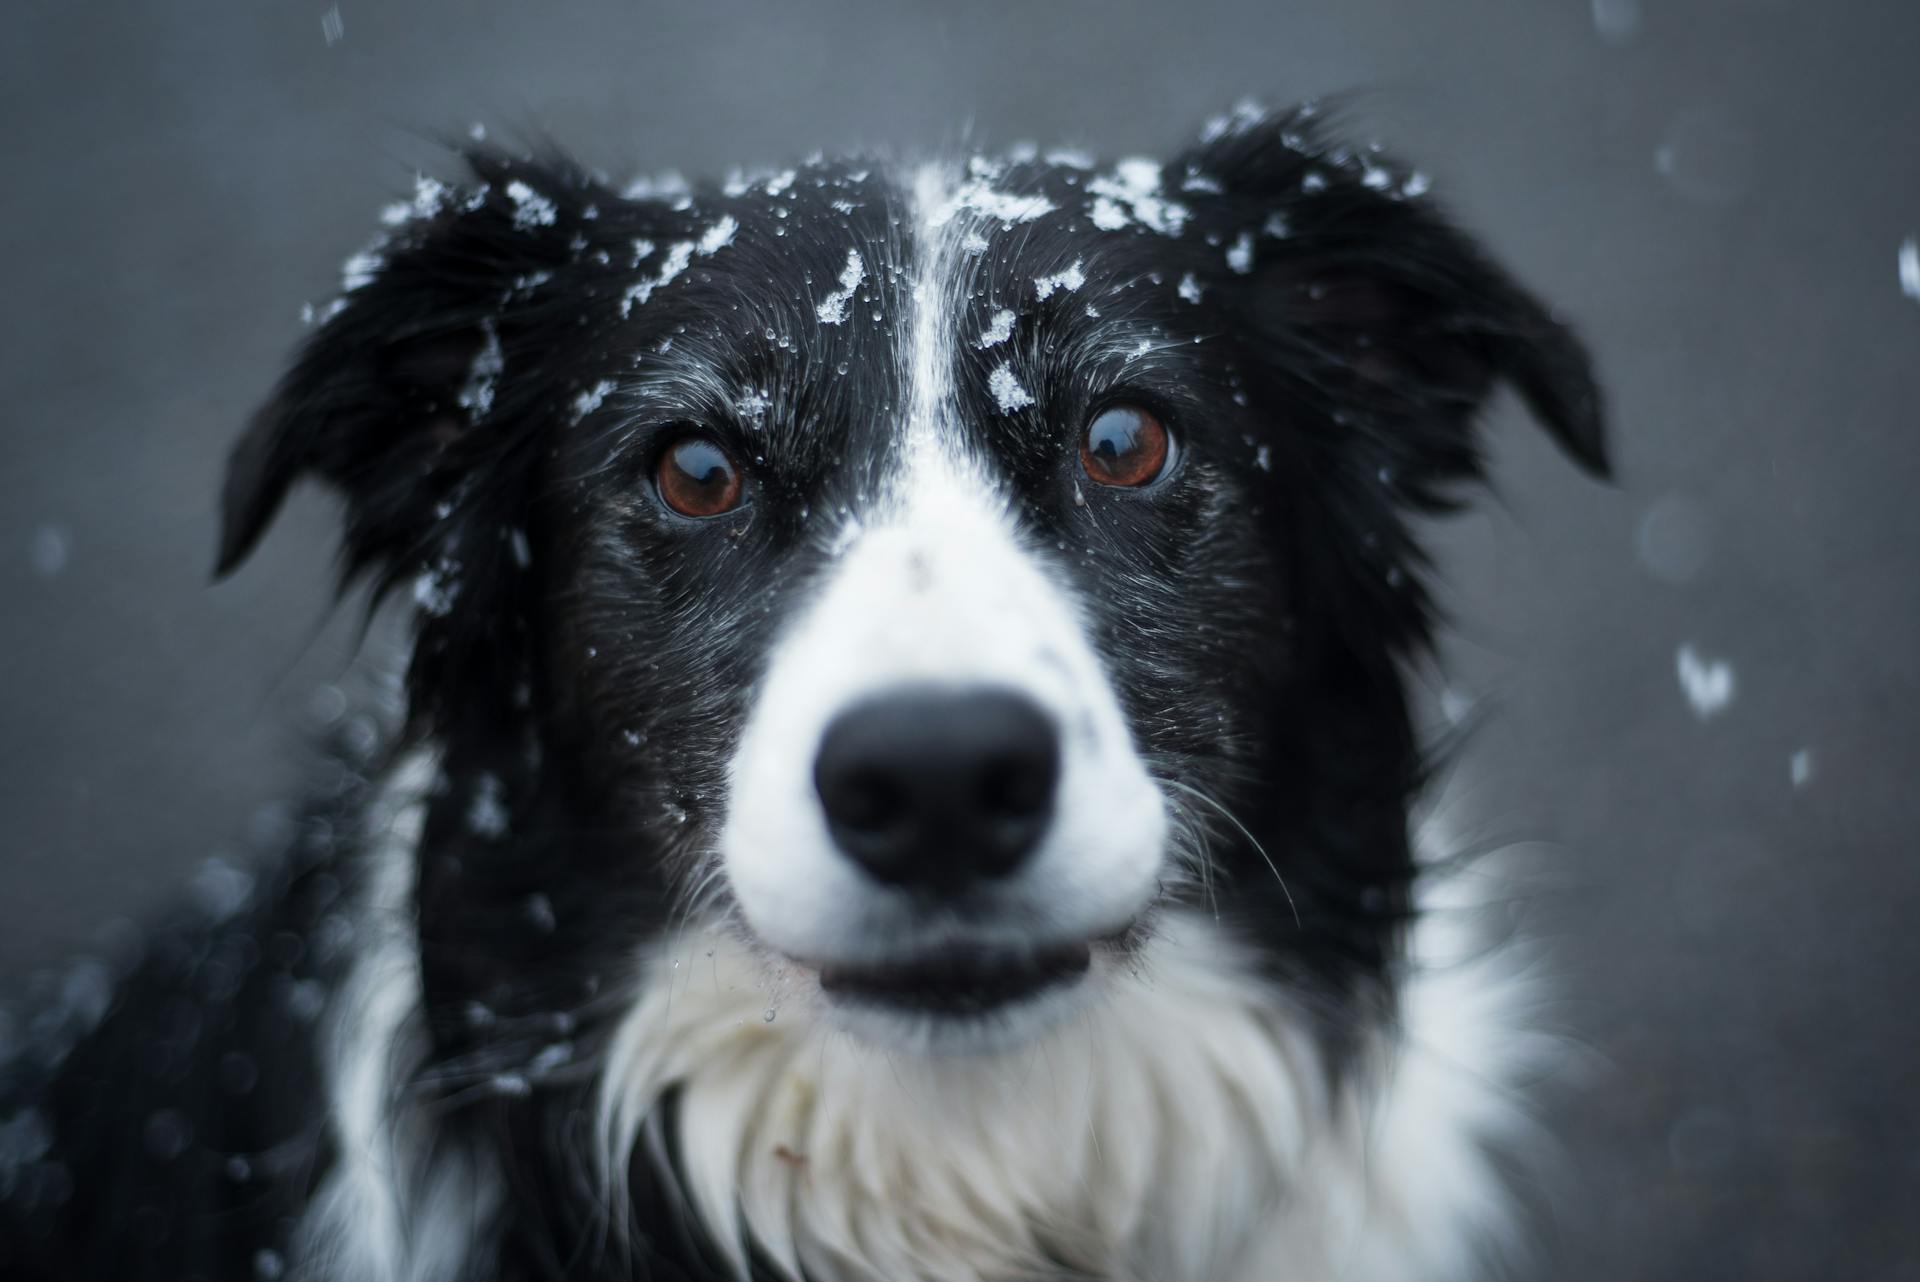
pixel 1071 278
pixel 1131 193
pixel 1006 389
pixel 712 241
pixel 999 329
pixel 476 394
pixel 832 309
pixel 429 195
pixel 719 236
pixel 530 208
pixel 1707 683
pixel 1246 115
pixel 977 196
pixel 360 270
pixel 589 401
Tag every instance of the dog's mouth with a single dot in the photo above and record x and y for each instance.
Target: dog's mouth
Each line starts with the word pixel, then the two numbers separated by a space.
pixel 959 982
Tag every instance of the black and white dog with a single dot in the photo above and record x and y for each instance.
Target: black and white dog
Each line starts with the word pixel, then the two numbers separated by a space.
pixel 906 766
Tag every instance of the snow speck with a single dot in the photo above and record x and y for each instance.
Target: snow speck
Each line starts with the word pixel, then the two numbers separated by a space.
pixel 752 405
pixel 476 394
pixel 311 315
pixel 1276 226
pixel 521 549
pixel 973 243
pixel 1071 278
pixel 1674 539
pixel 779 183
pixel 511 1085
pixel 719 236
pixel 1376 177
pixel 1263 458
pixel 530 208
pixel 1617 21
pixel 1107 215
pixel 1800 767
pixel 589 401
pixel 832 309
pixel 1416 185
pixel 360 270
pixel 662 186
pixel 642 251
pixel 221 889
pixel 678 256
pixel 1071 158
pixel 1707 683
pixel 1315 181
pixel 1240 253
pixel 1910 268
pixel 429 194
pixel 999 329
pixel 436 588
pixel 477 131
pixel 333 29
pixel 1247 114
pixel 1131 193
pixel 1189 288
pixel 540 914
pixel 487 813
pixel 1006 389
pixel 551 1058
pixel 48 550
pixel 1196 181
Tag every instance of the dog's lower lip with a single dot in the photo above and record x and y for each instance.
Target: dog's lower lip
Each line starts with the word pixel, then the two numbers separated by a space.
pixel 958 981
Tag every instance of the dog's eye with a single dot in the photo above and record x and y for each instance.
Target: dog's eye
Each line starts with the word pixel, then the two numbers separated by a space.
pixel 1125 445
pixel 696 477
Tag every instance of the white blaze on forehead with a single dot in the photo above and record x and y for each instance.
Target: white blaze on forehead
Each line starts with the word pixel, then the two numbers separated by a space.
pixel 932 583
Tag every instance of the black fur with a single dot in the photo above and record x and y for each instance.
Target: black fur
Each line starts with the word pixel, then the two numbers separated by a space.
pixel 584 658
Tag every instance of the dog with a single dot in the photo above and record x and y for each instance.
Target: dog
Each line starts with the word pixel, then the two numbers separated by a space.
pixel 906 769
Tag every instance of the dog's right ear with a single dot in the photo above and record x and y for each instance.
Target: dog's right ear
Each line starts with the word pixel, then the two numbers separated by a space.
pixel 404 400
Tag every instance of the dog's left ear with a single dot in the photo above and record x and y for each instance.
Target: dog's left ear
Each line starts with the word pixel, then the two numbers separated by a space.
pixel 1377 308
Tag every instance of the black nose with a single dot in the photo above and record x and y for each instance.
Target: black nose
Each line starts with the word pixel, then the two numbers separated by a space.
pixel 936 788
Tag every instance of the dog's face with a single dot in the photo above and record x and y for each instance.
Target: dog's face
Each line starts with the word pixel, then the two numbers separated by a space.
pixel 934 576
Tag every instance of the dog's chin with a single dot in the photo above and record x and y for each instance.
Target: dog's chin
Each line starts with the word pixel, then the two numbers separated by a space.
pixel 960 1000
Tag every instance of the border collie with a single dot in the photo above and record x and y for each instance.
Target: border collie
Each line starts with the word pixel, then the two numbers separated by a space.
pixel 907 761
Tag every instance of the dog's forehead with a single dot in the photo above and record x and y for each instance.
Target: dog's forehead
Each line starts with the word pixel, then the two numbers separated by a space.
pixel 878 271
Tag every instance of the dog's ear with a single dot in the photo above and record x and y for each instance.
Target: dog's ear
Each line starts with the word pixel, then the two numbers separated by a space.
pixel 1375 307
pixel 404 399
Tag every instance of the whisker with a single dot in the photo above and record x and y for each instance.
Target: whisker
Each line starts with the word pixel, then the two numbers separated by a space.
pixel 1253 841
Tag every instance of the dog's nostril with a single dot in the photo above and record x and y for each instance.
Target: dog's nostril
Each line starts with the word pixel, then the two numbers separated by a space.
pixel 865 799
pixel 936 787
pixel 1015 786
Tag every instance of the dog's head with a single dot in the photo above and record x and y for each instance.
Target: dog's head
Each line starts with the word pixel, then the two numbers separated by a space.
pixel 936 576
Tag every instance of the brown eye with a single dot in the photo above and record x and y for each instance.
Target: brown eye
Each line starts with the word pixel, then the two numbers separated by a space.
pixel 697 478
pixel 1125 445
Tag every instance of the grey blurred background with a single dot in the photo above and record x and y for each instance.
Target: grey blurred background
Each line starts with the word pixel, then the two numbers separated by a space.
pixel 1717 191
